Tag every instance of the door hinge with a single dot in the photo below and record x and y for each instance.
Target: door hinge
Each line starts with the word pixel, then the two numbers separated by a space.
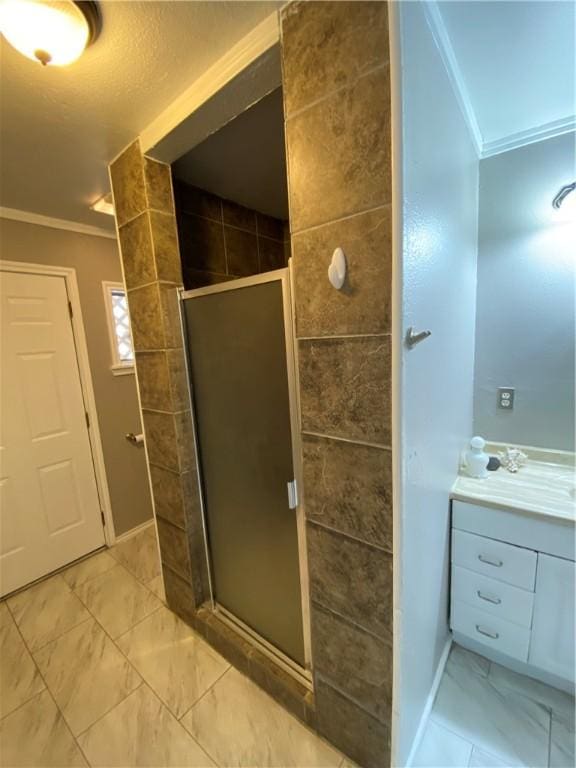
pixel 102 518
pixel 70 312
pixel 292 494
pixel 87 419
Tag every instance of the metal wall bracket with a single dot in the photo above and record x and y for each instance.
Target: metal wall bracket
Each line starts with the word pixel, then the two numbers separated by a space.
pixel 415 337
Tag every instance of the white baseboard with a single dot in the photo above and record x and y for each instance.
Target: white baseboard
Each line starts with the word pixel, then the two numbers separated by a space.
pixel 430 701
pixel 134 531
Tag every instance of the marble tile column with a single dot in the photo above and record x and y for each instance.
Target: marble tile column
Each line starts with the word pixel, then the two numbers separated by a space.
pixel 145 216
pixel 337 108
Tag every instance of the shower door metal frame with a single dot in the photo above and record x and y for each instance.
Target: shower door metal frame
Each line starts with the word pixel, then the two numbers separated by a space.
pixel 284 276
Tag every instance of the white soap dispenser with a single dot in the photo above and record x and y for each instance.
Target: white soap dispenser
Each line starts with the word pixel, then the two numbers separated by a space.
pixel 476 459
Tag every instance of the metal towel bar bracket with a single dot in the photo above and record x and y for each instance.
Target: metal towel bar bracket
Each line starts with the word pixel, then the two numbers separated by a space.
pixel 413 337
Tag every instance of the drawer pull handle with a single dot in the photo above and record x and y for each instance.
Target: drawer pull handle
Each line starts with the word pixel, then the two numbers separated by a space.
pixel 493 635
pixel 495 563
pixel 488 598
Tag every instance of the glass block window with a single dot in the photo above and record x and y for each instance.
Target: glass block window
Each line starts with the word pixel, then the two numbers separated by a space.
pixel 122 326
pixel 119 327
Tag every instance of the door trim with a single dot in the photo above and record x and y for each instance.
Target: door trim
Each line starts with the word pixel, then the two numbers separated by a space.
pixel 284 276
pixel 79 334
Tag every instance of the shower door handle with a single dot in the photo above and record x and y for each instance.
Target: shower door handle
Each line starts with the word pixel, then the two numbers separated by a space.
pixel 292 494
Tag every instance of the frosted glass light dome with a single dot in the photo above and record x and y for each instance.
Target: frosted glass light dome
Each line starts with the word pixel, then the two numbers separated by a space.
pixel 54 33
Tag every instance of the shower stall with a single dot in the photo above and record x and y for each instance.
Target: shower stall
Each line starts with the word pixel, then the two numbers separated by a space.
pixel 241 368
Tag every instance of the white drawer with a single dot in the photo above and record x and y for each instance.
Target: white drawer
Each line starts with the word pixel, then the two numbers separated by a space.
pixel 495 597
pixel 539 532
pixel 495 559
pixel 492 631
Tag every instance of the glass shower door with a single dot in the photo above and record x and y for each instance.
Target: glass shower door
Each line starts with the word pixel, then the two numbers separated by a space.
pixel 237 352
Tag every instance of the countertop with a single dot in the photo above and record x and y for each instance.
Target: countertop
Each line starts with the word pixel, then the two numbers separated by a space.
pixel 541 487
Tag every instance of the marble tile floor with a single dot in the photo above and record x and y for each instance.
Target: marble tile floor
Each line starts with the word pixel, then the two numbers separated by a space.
pixel 95 670
pixel 486 716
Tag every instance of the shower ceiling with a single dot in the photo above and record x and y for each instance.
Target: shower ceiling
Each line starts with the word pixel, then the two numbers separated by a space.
pixel 244 161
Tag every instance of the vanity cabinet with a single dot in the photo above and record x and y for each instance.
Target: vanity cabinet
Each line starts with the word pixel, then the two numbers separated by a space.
pixel 552 642
pixel 512 588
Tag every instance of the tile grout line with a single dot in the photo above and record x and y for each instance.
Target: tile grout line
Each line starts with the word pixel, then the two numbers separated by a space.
pixel 21 636
pixel 49 691
pixel 146 210
pixel 348 620
pixel 140 621
pixel 346 86
pixel 324 436
pixel 179 719
pixel 337 336
pixel 340 219
pixel 224 238
pixel 210 687
pixel 95 620
pixel 130 628
pixel 65 632
pixel 23 703
pixel 346 535
pixel 231 226
pixel 145 682
pixel 113 707
pixel 124 656
pixel 130 571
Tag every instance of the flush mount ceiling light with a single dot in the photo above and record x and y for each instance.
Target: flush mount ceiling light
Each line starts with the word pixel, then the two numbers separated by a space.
pixel 54 33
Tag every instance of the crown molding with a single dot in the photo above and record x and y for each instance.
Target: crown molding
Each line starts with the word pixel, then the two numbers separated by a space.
pixel 532 135
pixel 442 39
pixel 47 221
pixel 484 148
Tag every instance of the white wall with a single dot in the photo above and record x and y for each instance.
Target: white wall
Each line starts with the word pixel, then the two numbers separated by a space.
pixel 439 179
pixel 525 318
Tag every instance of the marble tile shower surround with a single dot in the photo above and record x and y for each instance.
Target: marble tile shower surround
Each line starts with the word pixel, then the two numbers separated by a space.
pixel 221 240
pixel 150 254
pixel 153 272
pixel 337 110
pixel 158 695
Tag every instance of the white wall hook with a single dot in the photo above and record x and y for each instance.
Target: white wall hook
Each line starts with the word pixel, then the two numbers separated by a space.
pixel 337 269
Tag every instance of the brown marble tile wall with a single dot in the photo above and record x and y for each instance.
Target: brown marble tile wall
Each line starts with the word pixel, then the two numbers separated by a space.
pixel 337 109
pixel 226 234
pixel 148 238
pixel 221 240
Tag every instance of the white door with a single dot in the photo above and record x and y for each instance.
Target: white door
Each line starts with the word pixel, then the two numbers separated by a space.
pixel 552 643
pixel 49 507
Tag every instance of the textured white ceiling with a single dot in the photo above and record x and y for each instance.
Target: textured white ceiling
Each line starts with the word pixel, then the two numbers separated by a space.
pixel 59 128
pixel 517 60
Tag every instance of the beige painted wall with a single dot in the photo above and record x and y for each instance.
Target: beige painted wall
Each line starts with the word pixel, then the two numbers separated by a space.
pixel 95 259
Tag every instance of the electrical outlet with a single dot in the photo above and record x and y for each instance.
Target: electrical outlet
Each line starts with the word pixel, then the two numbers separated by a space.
pixel 506 398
